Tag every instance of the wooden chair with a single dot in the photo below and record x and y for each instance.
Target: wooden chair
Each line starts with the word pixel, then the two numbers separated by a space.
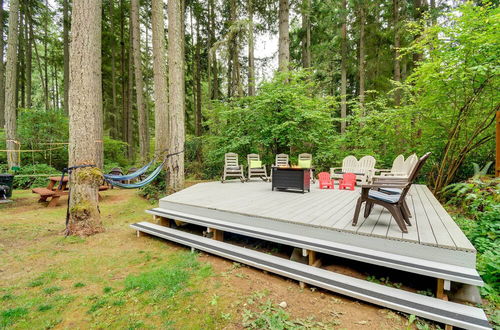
pixel 398 167
pixel 282 160
pixel 256 170
pixel 394 203
pixel 348 181
pixel 305 157
pixel 363 168
pixel 325 181
pixel 232 168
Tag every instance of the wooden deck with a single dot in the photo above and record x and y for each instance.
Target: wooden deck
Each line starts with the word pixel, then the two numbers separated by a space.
pixel 327 214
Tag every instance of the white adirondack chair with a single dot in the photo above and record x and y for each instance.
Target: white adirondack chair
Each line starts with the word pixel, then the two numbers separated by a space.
pixel 366 168
pixel 349 165
pixel 232 168
pixel 398 167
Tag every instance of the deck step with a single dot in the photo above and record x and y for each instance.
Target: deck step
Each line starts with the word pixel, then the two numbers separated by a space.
pixel 423 306
pixel 414 265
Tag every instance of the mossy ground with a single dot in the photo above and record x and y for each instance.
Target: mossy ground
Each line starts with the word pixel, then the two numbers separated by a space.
pixel 117 280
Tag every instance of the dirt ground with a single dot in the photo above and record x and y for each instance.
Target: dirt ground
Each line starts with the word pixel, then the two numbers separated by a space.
pixel 82 281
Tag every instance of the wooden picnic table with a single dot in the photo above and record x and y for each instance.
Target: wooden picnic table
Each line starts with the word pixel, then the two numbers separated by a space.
pixel 53 192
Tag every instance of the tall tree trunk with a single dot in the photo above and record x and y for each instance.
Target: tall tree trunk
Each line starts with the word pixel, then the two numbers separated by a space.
pixel 10 84
pixel 21 59
pixel 176 95
pixel 251 51
pixel 116 126
pixel 2 70
pixel 29 58
pixel 46 56
pixel 85 102
pixel 397 70
pixel 306 30
pixel 198 115
pixel 417 15
pixel 123 75
pixel 284 36
pixel 160 77
pixel 130 94
pixel 214 90
pixel 66 26
pixel 343 69
pixel 234 78
pixel 362 73
pixel 139 82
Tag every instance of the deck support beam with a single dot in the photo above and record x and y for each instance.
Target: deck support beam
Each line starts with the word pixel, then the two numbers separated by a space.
pixel 162 221
pixel 217 234
pixel 442 286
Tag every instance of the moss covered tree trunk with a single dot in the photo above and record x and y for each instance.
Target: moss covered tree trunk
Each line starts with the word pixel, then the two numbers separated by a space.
pixel 85 101
pixel 160 76
pixel 2 73
pixel 10 83
pixel 176 95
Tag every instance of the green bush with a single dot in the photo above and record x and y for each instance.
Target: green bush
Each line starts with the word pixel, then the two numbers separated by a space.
pixel 29 182
pixel 477 201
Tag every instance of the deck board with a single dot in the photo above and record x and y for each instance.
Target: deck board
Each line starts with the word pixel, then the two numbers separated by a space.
pixel 331 209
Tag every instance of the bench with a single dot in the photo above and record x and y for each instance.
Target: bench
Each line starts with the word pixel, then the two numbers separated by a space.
pixel 46 193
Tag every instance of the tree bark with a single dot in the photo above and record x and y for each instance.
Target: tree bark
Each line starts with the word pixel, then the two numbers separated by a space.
pixel 214 90
pixel 198 115
pixel 10 84
pixel 284 37
pixel 66 27
pixel 176 95
pixel 139 82
pixel 29 58
pixel 21 101
pixel 46 56
pixel 160 77
pixel 123 74
pixel 2 71
pixel 343 69
pixel 130 96
pixel 251 51
pixel 362 73
pixel 306 30
pixel 115 132
pixel 85 102
pixel 397 69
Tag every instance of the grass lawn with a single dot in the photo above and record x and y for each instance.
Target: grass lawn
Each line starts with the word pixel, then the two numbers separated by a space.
pixel 117 280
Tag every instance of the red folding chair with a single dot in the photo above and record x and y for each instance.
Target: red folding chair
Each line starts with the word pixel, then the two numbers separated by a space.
pixel 348 181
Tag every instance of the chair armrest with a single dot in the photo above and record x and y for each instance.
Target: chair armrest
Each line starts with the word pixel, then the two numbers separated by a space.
pixel 333 169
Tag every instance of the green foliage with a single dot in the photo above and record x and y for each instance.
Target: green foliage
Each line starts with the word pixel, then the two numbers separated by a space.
pixel 36 130
pixel 157 188
pixel 115 152
pixel 287 115
pixel 29 182
pixel 478 203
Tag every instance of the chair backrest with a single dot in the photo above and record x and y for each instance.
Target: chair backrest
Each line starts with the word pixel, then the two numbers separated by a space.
pixel 116 171
pixel 132 170
pixel 366 164
pixel 399 165
pixel 305 156
pixel 349 177
pixel 349 164
pixel 324 176
pixel 414 173
pixel 410 163
pixel 281 160
pixel 251 157
pixel 231 159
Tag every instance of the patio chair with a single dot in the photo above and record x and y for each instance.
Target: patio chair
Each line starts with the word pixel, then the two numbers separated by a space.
pixel 407 167
pixel 348 181
pixel 232 168
pixel 255 168
pixel 305 161
pixel 325 181
pixel 362 168
pixel 394 203
pixel 398 167
pixel 281 160
pixel 115 171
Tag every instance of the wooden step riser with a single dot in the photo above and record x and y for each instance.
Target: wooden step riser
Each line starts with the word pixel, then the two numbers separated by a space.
pixel 431 308
pixel 390 261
